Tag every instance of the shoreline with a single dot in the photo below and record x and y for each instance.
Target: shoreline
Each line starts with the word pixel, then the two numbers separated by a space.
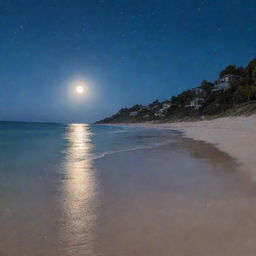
pixel 233 135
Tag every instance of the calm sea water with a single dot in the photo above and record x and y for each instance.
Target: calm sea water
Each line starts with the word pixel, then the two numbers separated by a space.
pixel 97 190
pixel 99 139
pixel 47 170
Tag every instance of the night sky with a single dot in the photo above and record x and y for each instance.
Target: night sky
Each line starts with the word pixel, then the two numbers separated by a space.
pixel 127 52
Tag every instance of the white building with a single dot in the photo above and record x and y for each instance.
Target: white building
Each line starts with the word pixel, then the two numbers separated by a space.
pixel 165 108
pixel 133 113
pixel 197 90
pixel 162 112
pixel 225 82
pixel 196 103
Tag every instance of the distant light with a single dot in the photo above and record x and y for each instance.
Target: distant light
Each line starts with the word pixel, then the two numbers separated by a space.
pixel 80 89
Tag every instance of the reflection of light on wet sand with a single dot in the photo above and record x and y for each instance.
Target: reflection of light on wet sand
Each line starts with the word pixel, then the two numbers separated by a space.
pixel 79 187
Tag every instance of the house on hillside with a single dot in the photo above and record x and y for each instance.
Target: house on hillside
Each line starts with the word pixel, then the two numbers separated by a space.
pixel 133 113
pixel 197 90
pixel 196 103
pixel 163 111
pixel 142 109
pixel 225 82
pixel 165 107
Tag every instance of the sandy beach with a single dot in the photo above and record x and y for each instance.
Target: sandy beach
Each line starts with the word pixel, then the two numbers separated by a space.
pixel 235 136
pixel 232 135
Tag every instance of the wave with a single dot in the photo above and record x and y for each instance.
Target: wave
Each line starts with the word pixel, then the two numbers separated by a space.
pixel 119 131
pixel 102 155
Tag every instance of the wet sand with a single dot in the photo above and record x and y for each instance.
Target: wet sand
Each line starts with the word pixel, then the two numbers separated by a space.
pixel 233 135
pixel 188 200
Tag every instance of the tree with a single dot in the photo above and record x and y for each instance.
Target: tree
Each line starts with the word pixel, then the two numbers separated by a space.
pixel 244 94
pixel 251 65
pixel 250 71
pixel 232 70
pixel 183 98
pixel 254 76
pixel 206 86
pixel 135 107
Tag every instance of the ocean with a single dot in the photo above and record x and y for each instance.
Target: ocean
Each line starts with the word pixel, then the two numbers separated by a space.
pixel 78 189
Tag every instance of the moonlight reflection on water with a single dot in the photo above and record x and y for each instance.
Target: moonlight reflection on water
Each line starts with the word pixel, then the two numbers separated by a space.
pixel 79 188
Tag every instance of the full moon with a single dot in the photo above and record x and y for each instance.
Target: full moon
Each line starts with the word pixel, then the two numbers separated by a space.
pixel 79 89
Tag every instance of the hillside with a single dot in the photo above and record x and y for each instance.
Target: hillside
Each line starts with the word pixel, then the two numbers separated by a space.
pixel 229 94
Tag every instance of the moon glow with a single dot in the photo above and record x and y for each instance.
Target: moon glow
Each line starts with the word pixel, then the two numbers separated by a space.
pixel 79 89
